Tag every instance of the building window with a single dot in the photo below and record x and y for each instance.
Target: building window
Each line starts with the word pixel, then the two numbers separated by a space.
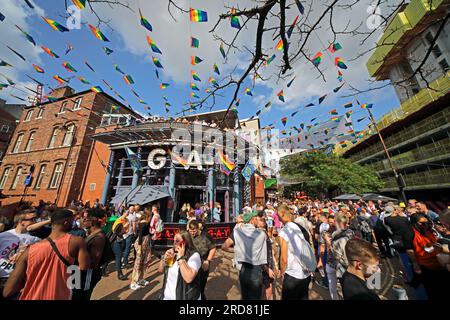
pixel 68 136
pixel 30 142
pixel 51 144
pixel 18 143
pixel 77 105
pixel 16 178
pixel 92 186
pixel 5 128
pixel 5 177
pixel 436 50
pixel 40 113
pixel 28 116
pixel 56 176
pixel 444 65
pixel 63 107
pixel 40 176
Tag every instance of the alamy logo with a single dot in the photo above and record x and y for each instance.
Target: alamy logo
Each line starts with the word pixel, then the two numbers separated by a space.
pixel 374 20
pixel 374 281
pixel 74 19
pixel 74 280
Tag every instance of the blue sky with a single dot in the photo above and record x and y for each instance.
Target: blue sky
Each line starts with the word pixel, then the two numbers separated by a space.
pixel 133 55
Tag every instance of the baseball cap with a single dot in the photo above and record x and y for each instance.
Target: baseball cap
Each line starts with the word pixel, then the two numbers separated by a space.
pixel 246 217
pixel 388 210
pixel 402 205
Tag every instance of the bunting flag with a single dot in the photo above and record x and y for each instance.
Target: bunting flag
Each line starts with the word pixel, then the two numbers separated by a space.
pixel 348 113
pixel 322 98
pixel 195 76
pixel 142 101
pixel 290 82
pixel 157 73
pixel 18 54
pixel 291 28
pixel 69 48
pixel 195 43
pixel 49 52
pixel 340 76
pixel 2 17
pixel 29 38
pixel 248 92
pixel 80 4
pixel 216 69
pixel 165 98
pixel 268 104
pixel 213 82
pixel 134 159
pixel 107 84
pixel 284 120
pixel 194 95
pixel 194 87
pixel 108 51
pixel 14 96
pixel 144 22
pixel 340 63
pixel 226 161
pixel 157 63
pixel 280 45
pixel 235 22
pixel 116 67
pixel 3 85
pixel 222 50
pixel 333 112
pixel 167 104
pixel 87 64
pixel 348 105
pixel 294 113
pixel 69 67
pixel 153 45
pixel 335 119
pixel 198 15
pixel 96 89
pixel 135 93
pixel 300 7
pixel 335 90
pixel 270 59
pixel 317 59
pixel 55 25
pixel 83 80
pixel 59 79
pixel 334 47
pixel 367 106
pixel 38 69
pixel 97 33
pixel 119 96
pixel 281 95
pixel 128 79
pixel 361 119
pixel 195 60
pixel 163 86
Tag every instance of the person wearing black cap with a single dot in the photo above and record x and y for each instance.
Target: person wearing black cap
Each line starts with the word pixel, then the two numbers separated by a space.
pixel 41 272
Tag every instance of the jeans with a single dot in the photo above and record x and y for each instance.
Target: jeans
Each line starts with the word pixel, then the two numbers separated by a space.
pixel 250 279
pixel 295 289
pixel 332 282
pixel 128 243
pixel 118 249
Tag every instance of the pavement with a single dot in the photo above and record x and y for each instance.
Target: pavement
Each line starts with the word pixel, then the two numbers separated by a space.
pixel 223 282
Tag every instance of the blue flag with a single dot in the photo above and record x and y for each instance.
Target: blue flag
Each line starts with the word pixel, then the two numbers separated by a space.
pixel 135 161
pixel 248 170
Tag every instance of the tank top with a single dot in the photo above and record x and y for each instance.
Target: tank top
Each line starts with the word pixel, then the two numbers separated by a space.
pixel 46 274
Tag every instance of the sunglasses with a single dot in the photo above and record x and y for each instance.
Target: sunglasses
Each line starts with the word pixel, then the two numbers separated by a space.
pixel 30 219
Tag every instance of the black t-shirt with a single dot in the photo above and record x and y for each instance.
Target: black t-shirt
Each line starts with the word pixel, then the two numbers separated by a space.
pixel 402 231
pixel 42 232
pixel 353 288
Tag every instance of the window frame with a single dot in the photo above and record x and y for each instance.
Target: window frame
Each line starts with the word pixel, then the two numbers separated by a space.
pixel 52 183
pixel 17 144
pixel 5 177
pixel 51 143
pixel 63 108
pixel 77 105
pixel 40 113
pixel 66 134
pixel 30 139
pixel 28 116
pixel 16 179
pixel 40 177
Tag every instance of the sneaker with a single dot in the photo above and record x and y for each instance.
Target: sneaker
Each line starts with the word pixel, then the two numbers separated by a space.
pixel 143 282
pixel 135 286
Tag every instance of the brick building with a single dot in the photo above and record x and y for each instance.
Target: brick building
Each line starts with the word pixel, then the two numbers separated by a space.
pixel 51 147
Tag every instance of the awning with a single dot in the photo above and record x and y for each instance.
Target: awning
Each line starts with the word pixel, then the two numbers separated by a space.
pixel 270 183
pixel 141 195
pixel 347 197
pixel 376 197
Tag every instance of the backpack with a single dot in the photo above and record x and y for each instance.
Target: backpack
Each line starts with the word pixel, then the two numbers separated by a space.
pixel 159 226
pixel 307 257
pixel 364 226
pixel 108 253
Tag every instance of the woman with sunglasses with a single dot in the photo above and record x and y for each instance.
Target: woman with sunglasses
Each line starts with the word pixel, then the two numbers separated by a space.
pixel 180 266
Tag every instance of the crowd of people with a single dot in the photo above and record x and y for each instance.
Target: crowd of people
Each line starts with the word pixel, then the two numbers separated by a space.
pixel 287 243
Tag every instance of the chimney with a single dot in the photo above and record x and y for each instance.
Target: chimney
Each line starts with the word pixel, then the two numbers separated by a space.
pixel 62 92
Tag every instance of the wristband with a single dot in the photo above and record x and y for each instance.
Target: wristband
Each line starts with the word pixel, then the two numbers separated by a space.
pixel 180 258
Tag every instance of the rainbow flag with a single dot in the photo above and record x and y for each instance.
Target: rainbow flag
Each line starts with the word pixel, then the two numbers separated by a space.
pixel 223 168
pixel 18 54
pixel 340 76
pixel 270 59
pixel 226 161
pixel 335 90
pixel 108 51
pixel 97 33
pixel 195 60
pixel 107 84
pixel 248 92
pixel 29 38
pixel 3 85
pixel 198 15
pixel 116 67
pixel 195 43
pixel 235 22
pixel 163 86
pixel 291 28
pixel 367 106
pixel 194 87
pixel 322 98
pixel 290 82
pixel 55 25
pixel 51 99
pixel 114 107
pixel 142 101
pixel 80 4
pixel 281 95
pixel 152 44
pixel 87 64
pixel 144 22
pixel 334 47
pixel 69 67
pixel 96 89
pixel 317 58
pixel 157 63
pixel 360 119
pixel 207 90
pixel 284 121
pixel 38 69
pixel 335 119
pixel 348 113
pixel 167 104
pixel 194 95
pixel 83 80
pixel 59 79
pixel 178 159
pixel 128 79
pixel 348 105
pixel 49 52
pixel 222 50
pixel 334 112
pixel 340 63
pixel 195 76
pixel 280 46
pixel 216 69
pixel 213 82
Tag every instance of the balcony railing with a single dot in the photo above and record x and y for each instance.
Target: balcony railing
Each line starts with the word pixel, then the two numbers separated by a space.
pixel 425 178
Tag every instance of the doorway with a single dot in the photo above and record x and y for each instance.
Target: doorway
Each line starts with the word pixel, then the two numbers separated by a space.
pixel 188 195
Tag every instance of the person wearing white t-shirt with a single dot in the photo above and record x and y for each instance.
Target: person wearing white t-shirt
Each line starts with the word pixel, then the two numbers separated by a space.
pixel 180 266
pixel 295 280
